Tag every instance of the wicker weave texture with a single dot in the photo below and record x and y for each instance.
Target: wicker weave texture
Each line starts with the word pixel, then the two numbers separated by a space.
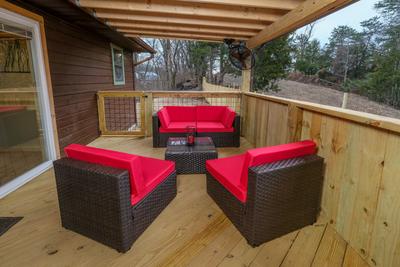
pixel 191 159
pixel 282 197
pixel 95 201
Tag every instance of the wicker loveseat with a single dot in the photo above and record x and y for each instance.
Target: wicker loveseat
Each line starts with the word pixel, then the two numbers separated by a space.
pixel 109 196
pixel 268 192
pixel 220 123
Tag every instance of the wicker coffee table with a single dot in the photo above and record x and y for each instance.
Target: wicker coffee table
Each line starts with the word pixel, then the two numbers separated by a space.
pixel 190 159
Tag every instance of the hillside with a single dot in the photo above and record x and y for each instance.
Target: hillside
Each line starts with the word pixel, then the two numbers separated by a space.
pixel 331 97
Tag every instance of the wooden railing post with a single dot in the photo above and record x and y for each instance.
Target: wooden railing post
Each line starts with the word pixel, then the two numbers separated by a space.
pixel 295 121
pixel 246 80
pixel 149 113
pixel 101 112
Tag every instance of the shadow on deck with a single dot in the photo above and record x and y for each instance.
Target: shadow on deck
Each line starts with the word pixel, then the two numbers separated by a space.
pixel 191 231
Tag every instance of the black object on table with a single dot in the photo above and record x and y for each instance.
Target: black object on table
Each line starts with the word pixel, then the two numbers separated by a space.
pixel 190 159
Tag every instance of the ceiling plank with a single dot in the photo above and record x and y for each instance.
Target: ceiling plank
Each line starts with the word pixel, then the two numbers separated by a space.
pixel 168 8
pixel 113 16
pixel 180 34
pixel 172 36
pixel 149 26
pixel 307 12
pixel 273 4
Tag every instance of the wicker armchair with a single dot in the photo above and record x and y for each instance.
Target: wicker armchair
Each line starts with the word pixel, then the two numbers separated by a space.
pixel 96 201
pixel 280 196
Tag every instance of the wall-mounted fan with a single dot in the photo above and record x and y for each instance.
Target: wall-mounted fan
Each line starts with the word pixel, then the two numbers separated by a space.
pixel 239 55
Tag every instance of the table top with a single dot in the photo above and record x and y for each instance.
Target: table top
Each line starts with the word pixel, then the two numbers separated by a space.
pixel 201 144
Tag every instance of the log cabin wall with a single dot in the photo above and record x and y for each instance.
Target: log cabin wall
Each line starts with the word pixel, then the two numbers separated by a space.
pixel 362 177
pixel 80 65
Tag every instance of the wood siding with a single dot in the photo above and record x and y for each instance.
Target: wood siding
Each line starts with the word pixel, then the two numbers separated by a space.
pixel 362 177
pixel 80 65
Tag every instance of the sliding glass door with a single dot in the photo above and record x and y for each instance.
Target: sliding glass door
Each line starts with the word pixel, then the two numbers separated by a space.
pixel 26 141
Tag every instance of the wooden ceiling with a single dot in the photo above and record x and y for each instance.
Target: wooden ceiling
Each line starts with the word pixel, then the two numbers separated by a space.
pixel 254 21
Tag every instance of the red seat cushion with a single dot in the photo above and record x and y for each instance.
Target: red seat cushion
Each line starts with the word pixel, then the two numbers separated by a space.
pixel 145 173
pixel 211 126
pixel 210 113
pixel 177 127
pixel 227 171
pixel 164 117
pixel 181 113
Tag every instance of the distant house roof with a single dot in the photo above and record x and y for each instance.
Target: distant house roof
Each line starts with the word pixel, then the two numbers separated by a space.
pixel 69 12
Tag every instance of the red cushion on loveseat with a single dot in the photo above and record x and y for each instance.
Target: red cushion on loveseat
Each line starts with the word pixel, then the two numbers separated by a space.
pixel 181 113
pixel 177 127
pixel 145 173
pixel 228 117
pixel 210 113
pixel 211 126
pixel 164 117
pixel 228 171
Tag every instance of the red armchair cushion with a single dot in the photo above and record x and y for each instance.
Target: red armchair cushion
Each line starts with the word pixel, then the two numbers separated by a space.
pixel 264 155
pixel 227 171
pixel 210 113
pixel 154 172
pixel 177 127
pixel 181 113
pixel 210 126
pixel 145 173
pixel 164 117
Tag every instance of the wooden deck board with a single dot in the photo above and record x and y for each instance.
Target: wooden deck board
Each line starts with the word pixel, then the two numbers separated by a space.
pixel 191 231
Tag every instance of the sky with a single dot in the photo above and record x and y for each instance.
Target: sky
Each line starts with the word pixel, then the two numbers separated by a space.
pixel 350 16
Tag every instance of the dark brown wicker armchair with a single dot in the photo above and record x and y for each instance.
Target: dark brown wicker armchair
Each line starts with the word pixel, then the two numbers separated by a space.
pixel 96 201
pixel 282 196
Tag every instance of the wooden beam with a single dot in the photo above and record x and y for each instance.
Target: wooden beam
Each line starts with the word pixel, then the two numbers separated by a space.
pixel 168 8
pixel 178 34
pixel 174 37
pixel 181 28
pixel 271 4
pixel 307 12
pixel 162 20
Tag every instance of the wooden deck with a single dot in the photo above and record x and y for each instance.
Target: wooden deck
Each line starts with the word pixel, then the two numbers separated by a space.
pixel 192 231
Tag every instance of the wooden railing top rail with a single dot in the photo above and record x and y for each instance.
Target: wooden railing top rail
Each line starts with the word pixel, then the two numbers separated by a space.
pixel 377 121
pixel 194 94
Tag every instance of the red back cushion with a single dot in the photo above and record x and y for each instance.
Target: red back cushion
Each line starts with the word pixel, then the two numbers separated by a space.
pixel 264 155
pixel 210 113
pixel 110 158
pixel 228 117
pixel 164 117
pixel 182 113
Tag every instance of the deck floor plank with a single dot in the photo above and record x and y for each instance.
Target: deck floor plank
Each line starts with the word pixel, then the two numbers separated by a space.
pixel 191 231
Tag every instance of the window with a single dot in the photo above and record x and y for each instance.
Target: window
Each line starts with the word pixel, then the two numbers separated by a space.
pixel 117 55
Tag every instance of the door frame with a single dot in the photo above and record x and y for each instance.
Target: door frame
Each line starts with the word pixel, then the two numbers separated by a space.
pixel 35 23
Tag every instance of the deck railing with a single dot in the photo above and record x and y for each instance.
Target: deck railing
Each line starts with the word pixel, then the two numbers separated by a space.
pixel 362 177
pixel 361 151
pixel 124 113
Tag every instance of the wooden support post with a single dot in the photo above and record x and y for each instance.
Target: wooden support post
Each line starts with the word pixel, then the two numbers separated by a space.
pixel 149 114
pixel 246 80
pixel 295 121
